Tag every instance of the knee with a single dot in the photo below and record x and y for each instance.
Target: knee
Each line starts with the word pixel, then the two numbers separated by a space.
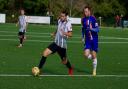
pixel 86 55
pixel 45 54
pixel 94 56
pixel 64 61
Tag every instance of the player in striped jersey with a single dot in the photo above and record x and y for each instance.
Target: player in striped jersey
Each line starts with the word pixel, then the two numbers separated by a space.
pixel 91 29
pixel 63 32
pixel 22 22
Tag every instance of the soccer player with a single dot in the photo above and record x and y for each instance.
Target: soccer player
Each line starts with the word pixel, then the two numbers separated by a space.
pixel 63 32
pixel 90 27
pixel 22 22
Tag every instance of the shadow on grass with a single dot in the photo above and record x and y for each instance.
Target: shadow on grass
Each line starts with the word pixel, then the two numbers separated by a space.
pixel 82 71
pixel 51 72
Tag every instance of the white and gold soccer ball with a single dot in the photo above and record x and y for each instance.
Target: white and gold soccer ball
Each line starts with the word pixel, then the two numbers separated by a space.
pixel 35 71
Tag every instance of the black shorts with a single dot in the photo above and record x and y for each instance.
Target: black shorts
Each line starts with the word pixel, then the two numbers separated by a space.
pixel 21 33
pixel 55 48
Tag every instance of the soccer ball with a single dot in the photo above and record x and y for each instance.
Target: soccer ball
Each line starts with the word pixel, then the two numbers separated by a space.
pixel 35 71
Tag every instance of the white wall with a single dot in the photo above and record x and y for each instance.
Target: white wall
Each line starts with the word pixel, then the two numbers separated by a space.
pixel 38 19
pixel 75 20
pixel 2 18
pixel 46 20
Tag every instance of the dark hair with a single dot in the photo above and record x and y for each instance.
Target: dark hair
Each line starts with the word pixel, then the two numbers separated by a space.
pixel 89 8
pixel 21 9
pixel 65 12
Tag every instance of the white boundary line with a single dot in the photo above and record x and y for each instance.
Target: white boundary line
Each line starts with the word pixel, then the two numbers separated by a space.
pixel 68 41
pixel 100 37
pixel 119 38
pixel 46 36
pixel 25 75
pixel 32 33
pixel 27 32
pixel 74 36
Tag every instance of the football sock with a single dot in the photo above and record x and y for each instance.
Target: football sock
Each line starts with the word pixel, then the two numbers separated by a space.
pixel 21 40
pixel 95 63
pixel 89 56
pixel 68 65
pixel 42 62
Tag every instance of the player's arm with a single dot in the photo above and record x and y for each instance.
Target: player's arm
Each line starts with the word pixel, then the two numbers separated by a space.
pixel 68 34
pixel 94 26
pixel 53 34
pixel 83 33
pixel 95 29
pixel 82 30
pixel 17 23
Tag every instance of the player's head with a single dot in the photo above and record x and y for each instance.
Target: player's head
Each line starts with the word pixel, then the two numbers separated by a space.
pixel 22 12
pixel 63 15
pixel 87 11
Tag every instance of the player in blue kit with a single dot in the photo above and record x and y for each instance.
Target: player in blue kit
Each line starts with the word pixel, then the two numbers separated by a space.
pixel 90 34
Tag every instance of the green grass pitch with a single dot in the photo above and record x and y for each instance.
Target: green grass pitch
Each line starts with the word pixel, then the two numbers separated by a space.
pixel 16 63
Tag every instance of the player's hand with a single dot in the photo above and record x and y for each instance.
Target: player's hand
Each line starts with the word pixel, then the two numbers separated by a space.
pixel 83 41
pixel 90 26
pixel 52 35
pixel 64 33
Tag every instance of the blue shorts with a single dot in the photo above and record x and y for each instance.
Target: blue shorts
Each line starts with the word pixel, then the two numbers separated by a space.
pixel 92 45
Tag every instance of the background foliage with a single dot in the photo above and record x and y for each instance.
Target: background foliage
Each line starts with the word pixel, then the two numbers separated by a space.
pixel 105 8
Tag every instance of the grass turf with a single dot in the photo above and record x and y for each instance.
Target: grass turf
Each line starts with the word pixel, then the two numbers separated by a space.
pixel 112 60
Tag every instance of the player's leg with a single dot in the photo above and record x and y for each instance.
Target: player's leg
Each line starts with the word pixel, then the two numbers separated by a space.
pixel 25 35
pixel 45 54
pixel 52 48
pixel 94 56
pixel 87 48
pixel 63 55
pixel 87 54
pixel 21 36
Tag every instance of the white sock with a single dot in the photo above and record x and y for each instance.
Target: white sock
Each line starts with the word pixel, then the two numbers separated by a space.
pixel 89 56
pixel 95 63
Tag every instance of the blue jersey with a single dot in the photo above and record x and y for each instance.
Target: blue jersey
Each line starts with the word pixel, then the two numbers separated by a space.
pixel 86 22
pixel 91 29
